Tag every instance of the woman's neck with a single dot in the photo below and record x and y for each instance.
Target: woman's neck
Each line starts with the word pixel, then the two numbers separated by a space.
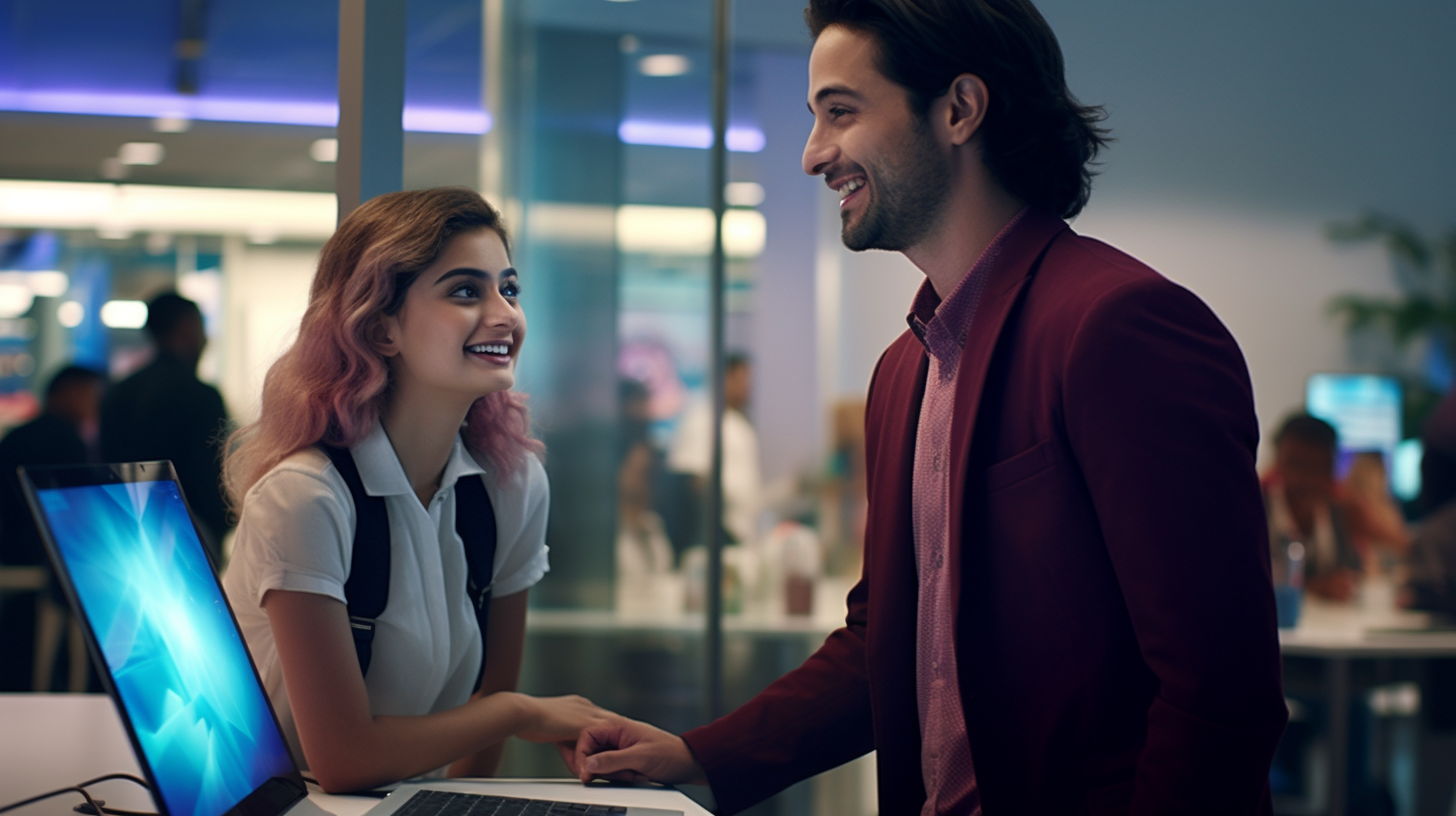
pixel 422 433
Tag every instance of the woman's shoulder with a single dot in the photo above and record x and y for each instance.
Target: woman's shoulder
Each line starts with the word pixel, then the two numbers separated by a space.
pixel 301 476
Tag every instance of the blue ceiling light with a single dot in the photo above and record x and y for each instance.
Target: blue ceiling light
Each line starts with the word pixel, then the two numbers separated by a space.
pixel 687 134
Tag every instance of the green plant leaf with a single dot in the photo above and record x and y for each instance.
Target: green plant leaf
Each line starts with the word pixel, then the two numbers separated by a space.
pixel 1401 241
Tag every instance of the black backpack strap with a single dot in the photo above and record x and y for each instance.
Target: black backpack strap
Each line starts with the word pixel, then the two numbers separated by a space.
pixel 367 590
pixel 475 524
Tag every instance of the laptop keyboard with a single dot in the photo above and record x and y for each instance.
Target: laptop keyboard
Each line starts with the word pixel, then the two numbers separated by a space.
pixel 455 803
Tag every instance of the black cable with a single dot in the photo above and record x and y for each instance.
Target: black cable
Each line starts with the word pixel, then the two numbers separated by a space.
pixel 97 807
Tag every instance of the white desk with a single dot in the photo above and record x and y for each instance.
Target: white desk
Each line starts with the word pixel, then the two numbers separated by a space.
pixel 49 741
pixel 1340 638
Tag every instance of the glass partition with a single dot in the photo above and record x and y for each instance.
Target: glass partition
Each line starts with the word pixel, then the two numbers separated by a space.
pixel 600 151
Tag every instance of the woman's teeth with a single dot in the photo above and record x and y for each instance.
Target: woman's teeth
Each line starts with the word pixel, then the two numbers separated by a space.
pixel 500 349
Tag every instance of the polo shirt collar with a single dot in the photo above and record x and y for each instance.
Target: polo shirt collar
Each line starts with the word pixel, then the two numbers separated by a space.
pixel 383 475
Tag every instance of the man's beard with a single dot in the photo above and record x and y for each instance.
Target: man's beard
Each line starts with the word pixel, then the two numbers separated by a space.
pixel 907 197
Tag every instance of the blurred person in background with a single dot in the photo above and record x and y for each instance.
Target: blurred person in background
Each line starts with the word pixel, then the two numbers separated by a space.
pixel 59 436
pixel 692 451
pixel 164 412
pixel 1300 501
pixel 1379 530
pixel 643 549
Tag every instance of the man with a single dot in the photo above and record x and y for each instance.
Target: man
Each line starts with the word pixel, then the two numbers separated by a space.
pixel 692 451
pixel 56 437
pixel 164 412
pixel 1303 505
pixel 1066 602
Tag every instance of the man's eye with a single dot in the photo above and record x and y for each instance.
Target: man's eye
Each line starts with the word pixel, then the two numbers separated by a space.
pixel 835 113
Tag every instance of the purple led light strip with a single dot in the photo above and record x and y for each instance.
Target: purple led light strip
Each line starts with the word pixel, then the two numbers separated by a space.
pixel 318 114
pixel 326 114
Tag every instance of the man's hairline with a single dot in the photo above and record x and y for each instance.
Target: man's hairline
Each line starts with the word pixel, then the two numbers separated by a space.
pixel 912 97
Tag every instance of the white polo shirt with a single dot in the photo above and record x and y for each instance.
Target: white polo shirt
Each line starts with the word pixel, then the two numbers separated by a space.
pixel 297 533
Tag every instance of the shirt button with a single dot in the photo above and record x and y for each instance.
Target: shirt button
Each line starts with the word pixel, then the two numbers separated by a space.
pixel 935 462
pixel 939 560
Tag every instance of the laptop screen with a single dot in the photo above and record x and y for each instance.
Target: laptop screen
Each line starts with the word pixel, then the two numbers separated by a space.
pixel 178 669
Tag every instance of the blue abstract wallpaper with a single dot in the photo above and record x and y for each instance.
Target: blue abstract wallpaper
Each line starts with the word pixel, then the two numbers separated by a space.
pixel 170 643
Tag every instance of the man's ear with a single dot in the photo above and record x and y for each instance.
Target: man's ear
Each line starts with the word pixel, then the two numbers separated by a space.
pixel 966 109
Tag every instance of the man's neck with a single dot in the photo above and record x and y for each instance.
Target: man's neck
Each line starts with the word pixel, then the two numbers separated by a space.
pixel 971 221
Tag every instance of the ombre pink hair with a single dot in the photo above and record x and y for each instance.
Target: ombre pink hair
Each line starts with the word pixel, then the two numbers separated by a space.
pixel 330 386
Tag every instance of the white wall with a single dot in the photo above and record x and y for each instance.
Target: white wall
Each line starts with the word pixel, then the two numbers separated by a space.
pixel 267 291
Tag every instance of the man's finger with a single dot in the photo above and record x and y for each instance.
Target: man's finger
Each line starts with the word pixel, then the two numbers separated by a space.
pixel 567 750
pixel 608 763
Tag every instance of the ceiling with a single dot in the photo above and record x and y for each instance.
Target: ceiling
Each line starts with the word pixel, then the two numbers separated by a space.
pixel 96 55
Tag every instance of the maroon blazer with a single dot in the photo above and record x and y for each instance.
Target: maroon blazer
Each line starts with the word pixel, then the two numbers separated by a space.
pixel 1116 635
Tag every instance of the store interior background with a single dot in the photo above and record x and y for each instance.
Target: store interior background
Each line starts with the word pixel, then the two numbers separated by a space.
pixel 1243 129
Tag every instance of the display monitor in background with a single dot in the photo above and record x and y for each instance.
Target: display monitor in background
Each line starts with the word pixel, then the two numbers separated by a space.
pixel 1365 410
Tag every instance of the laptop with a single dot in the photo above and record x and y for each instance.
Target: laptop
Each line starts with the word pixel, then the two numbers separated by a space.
pixel 166 645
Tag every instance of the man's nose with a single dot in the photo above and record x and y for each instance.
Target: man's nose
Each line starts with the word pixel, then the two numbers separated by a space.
pixel 817 153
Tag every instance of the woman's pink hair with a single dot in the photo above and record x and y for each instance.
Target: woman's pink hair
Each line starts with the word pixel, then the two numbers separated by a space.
pixel 330 386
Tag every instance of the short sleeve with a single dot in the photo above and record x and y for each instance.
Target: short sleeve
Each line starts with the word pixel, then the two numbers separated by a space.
pixel 692 446
pixel 295 534
pixel 521 505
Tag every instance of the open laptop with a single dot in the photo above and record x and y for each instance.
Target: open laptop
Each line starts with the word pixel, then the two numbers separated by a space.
pixel 166 644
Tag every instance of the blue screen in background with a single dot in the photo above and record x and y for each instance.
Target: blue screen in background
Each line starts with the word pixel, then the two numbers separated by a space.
pixel 1365 410
pixel 170 643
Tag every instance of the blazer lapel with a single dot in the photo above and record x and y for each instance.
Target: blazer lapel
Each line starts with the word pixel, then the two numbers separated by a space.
pixel 1021 252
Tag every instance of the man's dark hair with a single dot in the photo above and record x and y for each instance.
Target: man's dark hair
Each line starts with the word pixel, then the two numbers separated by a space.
pixel 166 311
pixel 1309 429
pixel 1037 139
pixel 735 359
pixel 72 375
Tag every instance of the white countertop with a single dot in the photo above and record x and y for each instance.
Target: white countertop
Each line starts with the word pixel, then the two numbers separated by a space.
pixel 50 741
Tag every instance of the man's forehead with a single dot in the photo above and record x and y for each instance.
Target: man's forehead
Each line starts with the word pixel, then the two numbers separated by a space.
pixel 843 61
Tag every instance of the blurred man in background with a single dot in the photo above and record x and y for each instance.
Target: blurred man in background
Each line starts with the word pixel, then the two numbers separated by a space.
pixel 57 437
pixel 1301 503
pixel 164 412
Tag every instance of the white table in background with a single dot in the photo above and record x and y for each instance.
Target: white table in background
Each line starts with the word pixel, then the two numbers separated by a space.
pixel 1341 635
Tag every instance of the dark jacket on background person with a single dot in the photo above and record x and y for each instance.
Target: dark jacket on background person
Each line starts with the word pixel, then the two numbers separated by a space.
pixel 46 440
pixel 164 412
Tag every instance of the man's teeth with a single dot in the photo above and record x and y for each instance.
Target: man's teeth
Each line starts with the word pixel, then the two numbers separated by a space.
pixel 849 187
pixel 491 348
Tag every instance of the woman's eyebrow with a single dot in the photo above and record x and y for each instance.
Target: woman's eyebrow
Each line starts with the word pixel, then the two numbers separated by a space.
pixel 476 274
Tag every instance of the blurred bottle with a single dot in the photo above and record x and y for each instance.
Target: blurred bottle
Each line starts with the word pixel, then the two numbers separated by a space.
pixel 803 562
pixel 1288 571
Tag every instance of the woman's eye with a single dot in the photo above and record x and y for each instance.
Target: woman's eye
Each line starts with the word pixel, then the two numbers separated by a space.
pixel 510 289
pixel 465 290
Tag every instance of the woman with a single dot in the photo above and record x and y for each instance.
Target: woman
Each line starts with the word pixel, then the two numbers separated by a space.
pixel 406 357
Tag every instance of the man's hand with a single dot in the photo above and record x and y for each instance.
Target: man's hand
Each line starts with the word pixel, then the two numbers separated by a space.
pixel 1335 585
pixel 624 750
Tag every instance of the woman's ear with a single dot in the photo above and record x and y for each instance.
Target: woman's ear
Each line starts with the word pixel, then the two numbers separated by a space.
pixel 381 336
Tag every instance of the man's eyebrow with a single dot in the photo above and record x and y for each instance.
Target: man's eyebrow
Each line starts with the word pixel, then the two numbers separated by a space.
pixel 834 90
pixel 476 274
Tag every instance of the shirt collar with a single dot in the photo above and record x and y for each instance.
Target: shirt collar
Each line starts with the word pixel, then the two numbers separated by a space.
pixel 383 475
pixel 941 325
